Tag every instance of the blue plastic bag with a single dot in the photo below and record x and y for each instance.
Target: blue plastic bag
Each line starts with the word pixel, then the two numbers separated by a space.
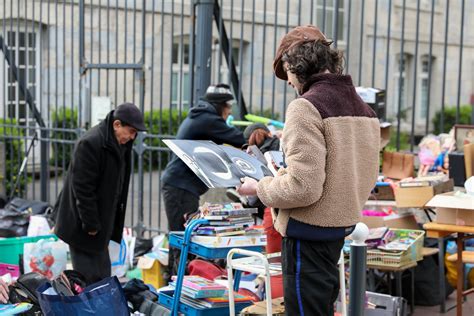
pixel 105 298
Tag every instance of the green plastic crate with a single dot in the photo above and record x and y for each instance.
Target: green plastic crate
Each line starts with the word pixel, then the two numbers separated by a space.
pixel 11 248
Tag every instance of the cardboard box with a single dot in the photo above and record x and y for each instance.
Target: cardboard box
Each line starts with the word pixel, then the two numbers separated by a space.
pixel 384 193
pixel 453 209
pixel 419 196
pixel 393 221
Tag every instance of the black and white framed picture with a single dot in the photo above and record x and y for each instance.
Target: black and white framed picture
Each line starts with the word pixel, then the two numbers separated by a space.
pixel 218 166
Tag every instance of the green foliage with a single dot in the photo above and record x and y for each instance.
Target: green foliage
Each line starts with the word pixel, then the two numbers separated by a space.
pixel 63 118
pixel 164 123
pixel 450 118
pixel 404 141
pixel 14 154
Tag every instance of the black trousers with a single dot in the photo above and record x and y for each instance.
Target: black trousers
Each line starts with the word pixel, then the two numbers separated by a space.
pixel 94 267
pixel 310 276
pixel 177 203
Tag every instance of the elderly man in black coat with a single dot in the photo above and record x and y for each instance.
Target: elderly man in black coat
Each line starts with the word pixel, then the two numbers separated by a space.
pixel 91 207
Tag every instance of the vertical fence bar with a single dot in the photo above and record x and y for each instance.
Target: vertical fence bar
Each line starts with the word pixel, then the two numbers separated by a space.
pixel 461 46
pixel 275 23
pixel 171 41
pixel 401 66
pixel 17 99
pixel 430 61
pixel 264 45
pixel 348 35
pixel 241 48
pixel 220 52
pixel 181 61
pixel 150 121
pixel 231 44
pixel 64 117
pixel 141 147
pixel 285 86
pixel 5 104
pixel 9 101
pixel 44 148
pixel 99 79
pixel 57 145
pixel 361 41
pixel 108 50
pixel 299 12
pixel 443 89
pixel 27 112
pixel 387 55
pixel 81 57
pixel 335 20
pixel 252 58
pixel 324 17
pixel 374 47
pixel 191 53
pixel 125 60
pixel 415 79
pixel 116 55
pixel 134 34
pixel 72 59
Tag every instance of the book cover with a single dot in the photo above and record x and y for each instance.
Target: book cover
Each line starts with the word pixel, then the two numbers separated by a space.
pixel 193 293
pixel 225 298
pixel 199 283
pixel 414 184
pixel 218 229
pixel 218 166
pixel 244 211
pixel 230 241
pixel 231 221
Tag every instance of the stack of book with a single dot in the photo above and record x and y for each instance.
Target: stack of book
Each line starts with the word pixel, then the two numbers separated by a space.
pixel 226 219
pixel 230 225
pixel 200 293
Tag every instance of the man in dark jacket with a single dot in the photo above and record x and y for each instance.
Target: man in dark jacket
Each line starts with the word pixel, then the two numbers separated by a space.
pixel 205 121
pixel 91 207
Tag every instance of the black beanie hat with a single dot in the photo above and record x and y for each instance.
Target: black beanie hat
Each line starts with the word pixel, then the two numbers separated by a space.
pixel 218 94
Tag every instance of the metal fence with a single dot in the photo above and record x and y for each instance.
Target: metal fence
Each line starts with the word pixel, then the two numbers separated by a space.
pixel 64 64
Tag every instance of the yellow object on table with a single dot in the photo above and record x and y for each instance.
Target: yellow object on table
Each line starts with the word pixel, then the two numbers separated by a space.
pixel 152 271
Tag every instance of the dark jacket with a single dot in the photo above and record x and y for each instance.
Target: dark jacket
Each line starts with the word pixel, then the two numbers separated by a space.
pixel 270 144
pixel 202 123
pixel 94 196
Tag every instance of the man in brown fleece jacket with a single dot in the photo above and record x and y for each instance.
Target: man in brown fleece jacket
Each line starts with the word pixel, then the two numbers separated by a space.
pixel 331 146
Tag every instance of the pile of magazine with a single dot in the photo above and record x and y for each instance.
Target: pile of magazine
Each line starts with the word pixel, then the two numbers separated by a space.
pixel 230 225
pixel 199 292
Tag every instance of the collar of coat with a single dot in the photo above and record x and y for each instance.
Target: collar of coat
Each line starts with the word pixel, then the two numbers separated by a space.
pixel 110 141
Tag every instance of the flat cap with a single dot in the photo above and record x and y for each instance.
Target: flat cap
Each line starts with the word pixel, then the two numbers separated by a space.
pixel 131 115
pixel 297 36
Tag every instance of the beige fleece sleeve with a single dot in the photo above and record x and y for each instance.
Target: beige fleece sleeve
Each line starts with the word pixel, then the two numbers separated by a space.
pixel 301 183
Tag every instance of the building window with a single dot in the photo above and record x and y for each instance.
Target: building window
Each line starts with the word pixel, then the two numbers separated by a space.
pixel 180 94
pixel 23 47
pixel 401 82
pixel 325 14
pixel 424 84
